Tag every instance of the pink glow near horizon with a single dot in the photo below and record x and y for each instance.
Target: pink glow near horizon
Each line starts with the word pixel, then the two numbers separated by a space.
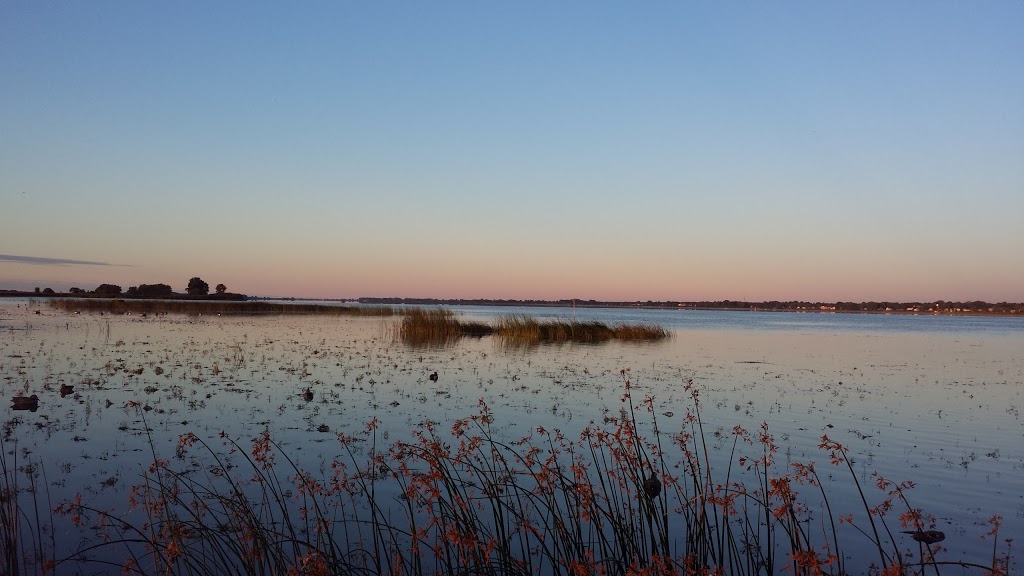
pixel 707 152
pixel 583 282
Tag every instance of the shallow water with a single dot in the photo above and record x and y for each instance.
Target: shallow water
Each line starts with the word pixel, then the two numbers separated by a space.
pixel 933 400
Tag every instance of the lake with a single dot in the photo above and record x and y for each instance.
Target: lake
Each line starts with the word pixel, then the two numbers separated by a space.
pixel 931 399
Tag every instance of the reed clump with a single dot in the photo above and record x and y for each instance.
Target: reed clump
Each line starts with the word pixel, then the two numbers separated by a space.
pixel 520 328
pixel 437 326
pixel 526 329
pixel 441 326
pixel 640 332
pixel 122 306
pixel 419 326
pixel 25 546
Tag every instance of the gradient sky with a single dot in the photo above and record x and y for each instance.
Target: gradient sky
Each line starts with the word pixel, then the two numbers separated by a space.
pixel 607 150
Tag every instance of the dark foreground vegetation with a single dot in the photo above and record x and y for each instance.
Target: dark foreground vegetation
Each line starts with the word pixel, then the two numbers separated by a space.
pixel 456 499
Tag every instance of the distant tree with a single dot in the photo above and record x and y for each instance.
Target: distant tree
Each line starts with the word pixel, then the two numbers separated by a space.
pixel 221 288
pixel 37 290
pixel 132 291
pixel 196 287
pixel 47 290
pixel 153 291
pixel 107 289
pixel 75 290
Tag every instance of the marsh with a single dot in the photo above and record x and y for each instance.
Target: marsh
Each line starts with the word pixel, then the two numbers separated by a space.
pixel 933 401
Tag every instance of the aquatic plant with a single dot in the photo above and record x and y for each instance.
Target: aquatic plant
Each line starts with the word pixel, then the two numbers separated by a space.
pixel 419 326
pixel 436 326
pixel 24 546
pixel 640 332
pixel 526 329
pixel 464 500
pixel 441 326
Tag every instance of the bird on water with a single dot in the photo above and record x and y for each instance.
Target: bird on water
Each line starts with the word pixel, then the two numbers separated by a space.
pixel 652 486
pixel 926 536
pixel 26 402
pixel 433 377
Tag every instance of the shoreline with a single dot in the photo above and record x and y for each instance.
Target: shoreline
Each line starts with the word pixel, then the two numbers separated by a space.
pixel 894 308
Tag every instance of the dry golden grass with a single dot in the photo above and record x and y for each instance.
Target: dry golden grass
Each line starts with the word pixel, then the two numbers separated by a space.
pixel 442 325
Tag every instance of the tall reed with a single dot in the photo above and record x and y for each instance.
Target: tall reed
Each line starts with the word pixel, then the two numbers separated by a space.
pixel 436 326
pixel 442 326
pixel 24 516
pixel 462 500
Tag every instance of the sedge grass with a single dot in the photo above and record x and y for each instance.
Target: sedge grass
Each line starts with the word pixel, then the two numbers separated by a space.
pixel 25 546
pixel 436 326
pixel 464 501
pixel 441 326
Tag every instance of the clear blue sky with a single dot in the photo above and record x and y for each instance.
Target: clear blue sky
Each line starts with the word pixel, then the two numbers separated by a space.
pixel 607 150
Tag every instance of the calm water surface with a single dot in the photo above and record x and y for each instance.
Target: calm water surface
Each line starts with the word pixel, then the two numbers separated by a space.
pixel 935 400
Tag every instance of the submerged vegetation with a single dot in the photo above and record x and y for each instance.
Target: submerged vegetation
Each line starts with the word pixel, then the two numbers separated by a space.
pixel 461 500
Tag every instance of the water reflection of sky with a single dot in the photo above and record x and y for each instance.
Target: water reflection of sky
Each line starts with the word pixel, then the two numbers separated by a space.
pixel 940 407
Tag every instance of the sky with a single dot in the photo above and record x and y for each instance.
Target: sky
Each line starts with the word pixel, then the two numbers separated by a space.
pixel 822 151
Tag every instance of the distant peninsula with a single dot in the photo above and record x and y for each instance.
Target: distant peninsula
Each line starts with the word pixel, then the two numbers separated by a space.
pixel 938 307
pixel 199 290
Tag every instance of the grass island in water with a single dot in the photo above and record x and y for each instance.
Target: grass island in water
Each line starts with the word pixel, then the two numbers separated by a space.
pixel 419 326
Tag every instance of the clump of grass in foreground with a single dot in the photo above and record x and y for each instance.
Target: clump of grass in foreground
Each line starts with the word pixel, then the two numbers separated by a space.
pixel 24 545
pixel 463 501
pixel 119 306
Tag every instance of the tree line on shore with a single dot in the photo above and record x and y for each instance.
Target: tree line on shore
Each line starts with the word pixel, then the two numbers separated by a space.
pixel 197 287
pixel 939 306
